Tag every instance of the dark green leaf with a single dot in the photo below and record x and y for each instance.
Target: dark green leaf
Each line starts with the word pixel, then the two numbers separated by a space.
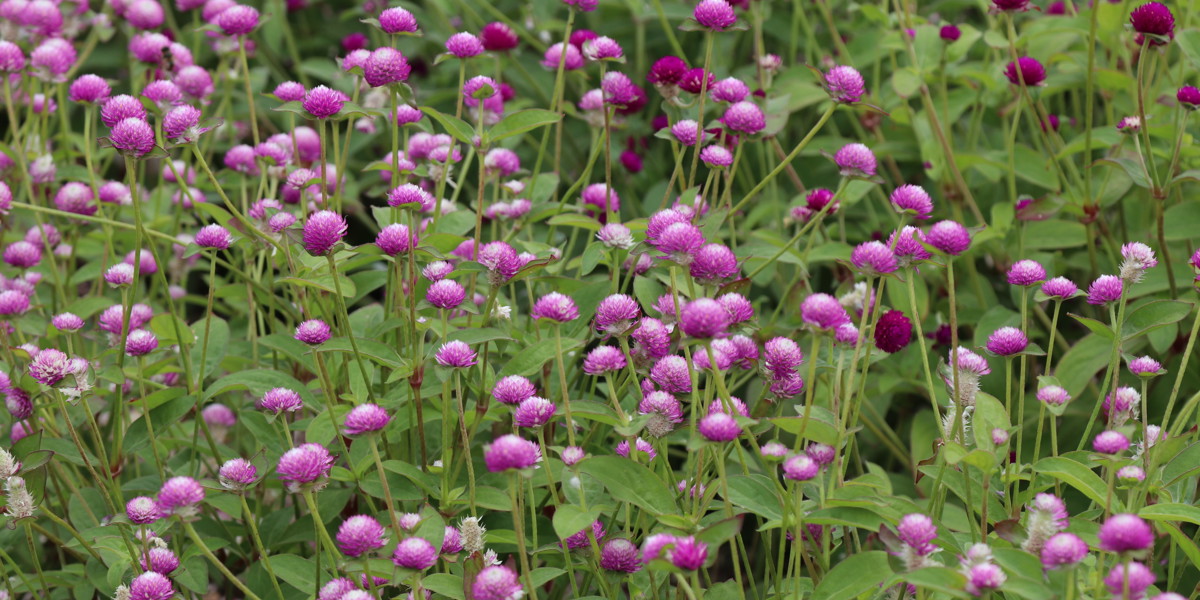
pixel 631 482
pixel 522 121
pixel 854 576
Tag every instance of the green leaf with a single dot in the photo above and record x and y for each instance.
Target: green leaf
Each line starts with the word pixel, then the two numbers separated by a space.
pixel 631 482
pixel 1153 315
pixel 1189 42
pixel 906 82
pixel 375 351
pixel 257 381
pixel 297 571
pixel 854 576
pixel 521 122
pixel 1082 361
pixel 570 519
pixel 940 579
pixel 460 129
pixel 1131 168
pixel 162 417
pixel 450 586
pixel 574 220
pixel 847 516
pixel 1078 476
pixel 1171 512
pixel 1095 326
pixel 1184 542
pixel 323 282
pixel 218 334
pixel 532 358
pixel 720 532
pixel 757 494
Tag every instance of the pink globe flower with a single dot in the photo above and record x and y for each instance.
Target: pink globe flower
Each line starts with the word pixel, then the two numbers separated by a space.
pixel 509 452
pixel 1125 533
pixel 360 534
pixel 716 15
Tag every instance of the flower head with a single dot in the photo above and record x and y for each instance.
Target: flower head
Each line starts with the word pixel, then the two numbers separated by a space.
pixel 1130 580
pixel 620 555
pixel 1125 533
pixel 304 466
pixel 534 411
pixel 464 45
pixel 1059 288
pixel 800 467
pixel 1106 289
pixel 719 427
pixel 688 553
pixel 513 389
pixel 323 230
pixel 1007 341
pixel 360 534
pixel 917 531
pixel 893 331
pixel 365 418
pixel 180 495
pixel 1110 442
pixel 716 15
pixel 555 307
pixel 509 452
pixel 414 553
pixel 313 332
pixel 397 20
pixel 151 585
pixel 855 160
pixel 845 84
pixel 323 102
pixel 142 510
pixel 455 354
pixel 873 257
pixel 1026 70
pixel 1153 19
pixel 704 318
pixel 497 582
pixel 1026 273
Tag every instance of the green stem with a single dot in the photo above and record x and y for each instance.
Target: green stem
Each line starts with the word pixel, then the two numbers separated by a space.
pixel 191 533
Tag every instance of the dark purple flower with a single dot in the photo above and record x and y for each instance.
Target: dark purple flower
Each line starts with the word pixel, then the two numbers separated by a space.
pixel 893 331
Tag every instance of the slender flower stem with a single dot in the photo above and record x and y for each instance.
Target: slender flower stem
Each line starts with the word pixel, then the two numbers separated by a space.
pixel 562 382
pixel 1110 376
pixel 387 489
pixel 466 439
pixel 258 545
pixel 912 300
pixel 195 537
pixel 704 76
pixel 787 160
pixel 341 304
pixel 514 494
pixel 1183 368
pixel 249 91
pixel 1053 333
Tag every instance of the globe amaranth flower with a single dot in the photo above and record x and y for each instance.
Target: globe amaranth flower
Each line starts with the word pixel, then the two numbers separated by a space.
pixel 446 294
pixel 497 582
pixel 1063 549
pixel 513 389
pixel 745 117
pixel 1145 366
pixel 1026 70
pixel 873 257
pixel 1154 23
pixel 360 534
pixel 384 66
pixel 620 555
pixel 688 553
pixel 89 88
pixel 893 331
pixel 912 200
pixel 1125 533
pixel 704 318
pixel 323 230
pixel 1129 580
pixel 305 466
pixel 237 473
pixel 1106 289
pixel 397 20
pixel 1007 341
pixel 603 359
pixel 313 332
pixel 1053 395
pixel 949 33
pixel 464 45
pixel 908 244
pixel 534 411
pixel 132 136
pixel 142 510
pixel 323 102
pixel 180 495
pixel 414 553
pixel 365 418
pixel 716 156
pixel 498 37
pixel 1188 97
pixel 719 427
pixel 671 373
pixel 716 15
pixel 616 314
pixel 1110 442
pixel 159 560
pixel 855 160
pixel 509 452
pixel 845 84
pixel 395 239
pixel 556 307
pixel 640 447
pixel 1138 259
pixel 800 467
pixel 456 354
pixel 949 237
pixel 140 342
pixel 917 532
pixel 823 312
pixel 238 20
pixel 151 585
pixel 1026 273
pixel 1059 288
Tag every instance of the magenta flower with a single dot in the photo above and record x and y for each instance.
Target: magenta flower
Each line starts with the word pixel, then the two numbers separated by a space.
pixel 513 389
pixel 497 582
pixel 719 427
pixel 845 84
pixel 464 45
pixel 324 230
pixel 151 585
pixel 704 318
pixel 1059 288
pixel 509 452
pixel 893 331
pixel 1106 289
pixel 688 553
pixel 913 200
pixel 142 510
pixel 1053 395
pixel 745 117
pixel 950 237
pixel 855 160
pixel 1026 70
pixel 1026 273
pixel 716 15
pixel 917 531
pixel 397 20
pixel 1007 341
pixel 313 332
pixel 236 474
pixel 640 446
pixel 446 294
pixel 456 355
pixel 140 343
pixel 414 553
pixel 279 400
pixel 305 467
pixel 1063 549
pixel 800 467
pixel 1110 442
pixel 873 257
pixel 556 307
pixel 620 555
pixel 323 102
pixel 533 412
pixel 498 37
pixel 1133 577
pixel 1153 19
pixel 713 264
pixel 238 20
pixel 180 495
pixel 603 359
pixel 365 418
pixel 132 137
pixel 360 534
pixel 1125 533
pixel 385 65
pixel 823 312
